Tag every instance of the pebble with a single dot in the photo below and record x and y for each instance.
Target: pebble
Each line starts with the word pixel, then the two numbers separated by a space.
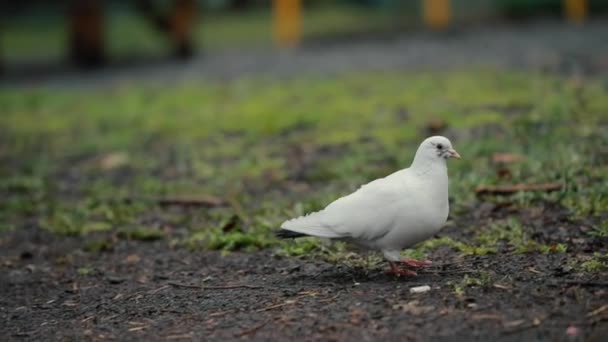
pixel 420 289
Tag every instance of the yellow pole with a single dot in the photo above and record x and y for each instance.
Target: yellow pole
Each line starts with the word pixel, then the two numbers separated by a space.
pixel 287 22
pixel 436 13
pixel 576 10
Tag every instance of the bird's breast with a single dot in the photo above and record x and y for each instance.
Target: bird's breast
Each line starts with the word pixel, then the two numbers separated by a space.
pixel 418 220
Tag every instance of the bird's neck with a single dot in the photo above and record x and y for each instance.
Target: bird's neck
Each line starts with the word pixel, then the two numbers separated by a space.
pixel 432 175
pixel 423 165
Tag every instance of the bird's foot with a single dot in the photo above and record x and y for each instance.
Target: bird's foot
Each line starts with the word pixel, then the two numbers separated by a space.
pixel 400 271
pixel 413 263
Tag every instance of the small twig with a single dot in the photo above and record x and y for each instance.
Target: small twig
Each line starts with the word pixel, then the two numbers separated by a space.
pixel 483 317
pixel 327 300
pixel 138 328
pixel 287 302
pixel 87 319
pixel 158 289
pixel 223 287
pixel 519 326
pixel 227 287
pixel 502 287
pixel 598 311
pixel 513 188
pixel 252 330
pixel 189 286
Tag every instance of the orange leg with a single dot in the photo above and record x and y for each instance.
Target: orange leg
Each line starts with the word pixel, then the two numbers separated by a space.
pixel 413 263
pixel 400 271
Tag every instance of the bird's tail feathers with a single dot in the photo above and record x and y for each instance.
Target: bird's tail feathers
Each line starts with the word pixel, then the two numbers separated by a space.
pixel 310 225
pixel 288 234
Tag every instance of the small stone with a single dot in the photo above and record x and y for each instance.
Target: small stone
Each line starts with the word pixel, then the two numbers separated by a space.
pixel 420 289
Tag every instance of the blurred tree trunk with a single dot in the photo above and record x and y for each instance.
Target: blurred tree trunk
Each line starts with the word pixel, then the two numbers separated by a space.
pixel 87 36
pixel 181 27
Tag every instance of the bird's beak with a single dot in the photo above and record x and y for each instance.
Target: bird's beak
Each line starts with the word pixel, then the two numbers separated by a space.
pixel 453 153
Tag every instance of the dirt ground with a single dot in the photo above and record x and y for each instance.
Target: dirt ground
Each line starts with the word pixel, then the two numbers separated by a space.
pixel 150 291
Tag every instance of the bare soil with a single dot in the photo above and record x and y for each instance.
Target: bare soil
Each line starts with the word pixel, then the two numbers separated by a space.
pixel 53 290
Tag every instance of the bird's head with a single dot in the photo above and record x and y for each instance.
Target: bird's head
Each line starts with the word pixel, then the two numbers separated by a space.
pixel 436 148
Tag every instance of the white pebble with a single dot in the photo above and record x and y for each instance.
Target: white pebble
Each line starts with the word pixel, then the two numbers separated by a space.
pixel 420 289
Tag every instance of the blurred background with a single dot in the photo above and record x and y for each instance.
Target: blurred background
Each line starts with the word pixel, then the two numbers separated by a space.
pixel 42 36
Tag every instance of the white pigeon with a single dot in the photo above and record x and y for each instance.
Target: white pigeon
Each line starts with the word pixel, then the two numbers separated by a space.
pixel 391 213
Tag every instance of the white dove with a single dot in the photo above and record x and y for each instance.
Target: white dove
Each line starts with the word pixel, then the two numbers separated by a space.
pixel 391 213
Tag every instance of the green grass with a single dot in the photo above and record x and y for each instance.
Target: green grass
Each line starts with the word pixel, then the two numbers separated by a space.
pixel 595 263
pixel 483 280
pixel 275 149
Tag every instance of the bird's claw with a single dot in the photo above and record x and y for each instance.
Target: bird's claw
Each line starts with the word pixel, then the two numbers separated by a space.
pixel 401 272
pixel 413 263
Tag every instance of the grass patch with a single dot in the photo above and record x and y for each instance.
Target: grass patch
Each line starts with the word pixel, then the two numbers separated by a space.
pixel 300 247
pixel 282 148
pixel 597 263
pixel 483 279
pixel 84 271
pixel 601 231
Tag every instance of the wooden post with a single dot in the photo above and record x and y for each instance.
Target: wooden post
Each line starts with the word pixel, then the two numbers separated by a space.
pixel 181 27
pixel 86 28
pixel 576 10
pixel 436 13
pixel 287 22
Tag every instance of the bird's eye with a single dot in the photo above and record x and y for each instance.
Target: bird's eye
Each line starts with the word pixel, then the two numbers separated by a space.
pixel 439 146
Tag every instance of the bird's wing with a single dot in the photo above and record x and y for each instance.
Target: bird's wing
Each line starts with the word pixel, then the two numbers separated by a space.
pixel 366 214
